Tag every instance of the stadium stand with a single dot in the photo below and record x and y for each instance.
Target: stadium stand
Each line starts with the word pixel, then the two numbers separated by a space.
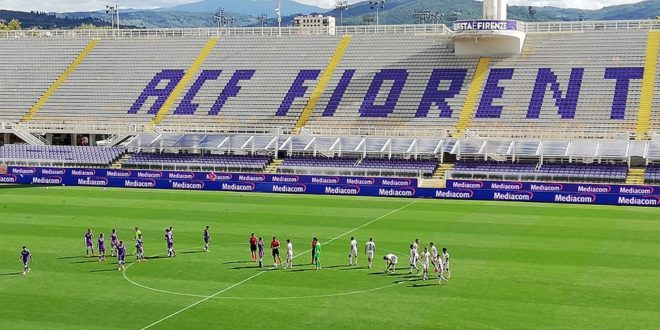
pixel 22 154
pixel 574 95
pixel 197 161
pixel 30 66
pixel 614 173
pixel 365 166
pixel 417 88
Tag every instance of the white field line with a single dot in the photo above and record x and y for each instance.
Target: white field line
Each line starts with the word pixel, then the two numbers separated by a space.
pixel 262 272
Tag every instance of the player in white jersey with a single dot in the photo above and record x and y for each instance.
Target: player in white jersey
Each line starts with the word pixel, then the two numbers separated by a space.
pixel 426 260
pixel 445 261
pixel 434 251
pixel 415 246
pixel 390 261
pixel 439 269
pixel 289 254
pixel 353 253
pixel 413 259
pixel 369 250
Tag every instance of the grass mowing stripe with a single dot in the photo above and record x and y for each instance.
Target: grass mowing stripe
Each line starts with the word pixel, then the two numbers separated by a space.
pixel 258 274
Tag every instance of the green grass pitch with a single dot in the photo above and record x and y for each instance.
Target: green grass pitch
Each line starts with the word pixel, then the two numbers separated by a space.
pixel 514 265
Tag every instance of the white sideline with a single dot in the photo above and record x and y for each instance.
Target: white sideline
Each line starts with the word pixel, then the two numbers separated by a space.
pixel 262 272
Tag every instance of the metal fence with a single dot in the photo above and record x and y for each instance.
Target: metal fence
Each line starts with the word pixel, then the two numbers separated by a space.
pixel 409 29
pixel 419 29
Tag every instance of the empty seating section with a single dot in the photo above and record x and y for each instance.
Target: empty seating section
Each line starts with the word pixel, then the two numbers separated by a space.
pixel 555 59
pixel 108 82
pixel 276 63
pixel 197 161
pixel 58 155
pixel 532 171
pixel 381 82
pixel 29 67
pixel 367 166
pixel 652 174
pixel 368 55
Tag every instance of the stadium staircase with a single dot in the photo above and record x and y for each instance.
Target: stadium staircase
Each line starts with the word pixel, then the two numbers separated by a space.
pixel 469 107
pixel 636 176
pixel 439 179
pixel 272 167
pixel 61 79
pixel 28 137
pixel 187 77
pixel 119 162
pixel 323 82
pixel 648 82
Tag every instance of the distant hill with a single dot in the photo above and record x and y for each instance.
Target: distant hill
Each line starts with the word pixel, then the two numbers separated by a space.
pixel 401 11
pixel 246 7
pixel 31 20
pixel 167 19
pixel 245 12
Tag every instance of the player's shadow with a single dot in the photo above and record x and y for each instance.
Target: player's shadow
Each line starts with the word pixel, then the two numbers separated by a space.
pixel 301 270
pixel 246 267
pixel 103 270
pixel 236 262
pixel 70 257
pixel 415 285
pixel 158 257
pixel 335 266
pixel 192 252
pixel 11 274
pixel 85 261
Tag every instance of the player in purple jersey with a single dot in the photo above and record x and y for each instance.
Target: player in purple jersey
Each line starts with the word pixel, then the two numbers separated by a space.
pixel 260 246
pixel 25 257
pixel 139 248
pixel 101 245
pixel 89 242
pixel 121 255
pixel 169 238
pixel 114 241
pixel 207 239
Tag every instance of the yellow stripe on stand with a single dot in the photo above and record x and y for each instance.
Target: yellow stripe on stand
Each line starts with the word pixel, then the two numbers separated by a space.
pixel 187 77
pixel 467 112
pixel 648 86
pixel 62 78
pixel 323 82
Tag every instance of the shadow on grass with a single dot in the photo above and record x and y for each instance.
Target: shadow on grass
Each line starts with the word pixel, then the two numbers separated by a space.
pixel 302 270
pixel 335 266
pixel 103 270
pixel 70 257
pixel 192 252
pixel 12 274
pixel 237 262
pixel 415 285
pixel 21 186
pixel 85 261
pixel 158 257
pixel 246 267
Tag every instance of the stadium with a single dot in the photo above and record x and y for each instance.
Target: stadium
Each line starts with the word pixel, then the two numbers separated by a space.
pixel 529 150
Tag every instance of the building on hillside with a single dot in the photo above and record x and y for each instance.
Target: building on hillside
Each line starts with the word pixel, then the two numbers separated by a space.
pixel 316 24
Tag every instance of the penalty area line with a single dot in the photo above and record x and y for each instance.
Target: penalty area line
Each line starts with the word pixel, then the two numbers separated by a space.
pixel 265 271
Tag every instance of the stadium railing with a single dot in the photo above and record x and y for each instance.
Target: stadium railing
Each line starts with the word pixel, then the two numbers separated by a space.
pixel 418 29
pixel 580 26
pixel 348 171
pixel 411 29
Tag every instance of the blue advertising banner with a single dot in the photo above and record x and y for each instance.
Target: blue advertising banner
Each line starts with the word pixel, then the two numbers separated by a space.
pixel 553 187
pixel 213 176
pixel 348 186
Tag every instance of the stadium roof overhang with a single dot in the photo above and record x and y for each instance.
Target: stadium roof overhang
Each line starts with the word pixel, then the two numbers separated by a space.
pixel 498 149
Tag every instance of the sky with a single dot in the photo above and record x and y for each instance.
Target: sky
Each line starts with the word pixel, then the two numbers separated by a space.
pixel 90 5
